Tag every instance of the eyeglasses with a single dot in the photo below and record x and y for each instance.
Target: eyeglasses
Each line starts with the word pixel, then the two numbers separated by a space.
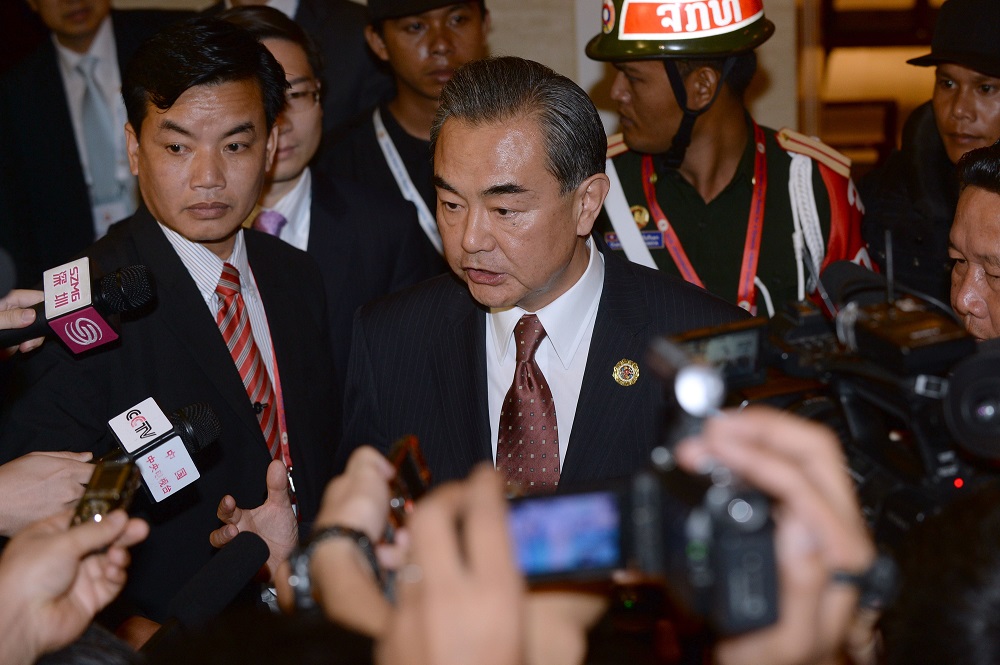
pixel 299 101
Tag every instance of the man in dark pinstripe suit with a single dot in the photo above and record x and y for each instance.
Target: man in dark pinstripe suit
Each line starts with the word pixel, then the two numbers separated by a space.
pixel 519 155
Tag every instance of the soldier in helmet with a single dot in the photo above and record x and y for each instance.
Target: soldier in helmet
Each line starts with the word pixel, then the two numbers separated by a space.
pixel 699 189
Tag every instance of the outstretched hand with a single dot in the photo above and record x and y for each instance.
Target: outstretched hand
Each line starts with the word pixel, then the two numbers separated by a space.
pixel 274 521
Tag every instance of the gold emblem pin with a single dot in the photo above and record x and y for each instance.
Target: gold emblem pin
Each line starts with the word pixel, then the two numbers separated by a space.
pixel 626 372
pixel 640 215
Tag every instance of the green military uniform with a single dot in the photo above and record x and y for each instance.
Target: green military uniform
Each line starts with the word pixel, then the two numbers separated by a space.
pixel 713 234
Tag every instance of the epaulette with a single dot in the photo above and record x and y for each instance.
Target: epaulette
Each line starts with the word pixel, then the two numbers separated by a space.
pixel 616 145
pixel 813 148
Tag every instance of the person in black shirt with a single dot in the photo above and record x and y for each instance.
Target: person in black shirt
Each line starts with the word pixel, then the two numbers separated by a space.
pixel 423 42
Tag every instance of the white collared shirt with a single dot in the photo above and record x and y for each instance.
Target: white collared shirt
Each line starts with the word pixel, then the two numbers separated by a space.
pixel 561 356
pixel 206 269
pixel 286 7
pixel 109 80
pixel 296 206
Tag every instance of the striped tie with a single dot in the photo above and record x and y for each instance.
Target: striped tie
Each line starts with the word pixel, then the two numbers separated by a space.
pixel 234 323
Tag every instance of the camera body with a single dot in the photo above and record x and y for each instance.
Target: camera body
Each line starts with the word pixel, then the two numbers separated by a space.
pixel 710 539
pixel 914 399
pixel 112 485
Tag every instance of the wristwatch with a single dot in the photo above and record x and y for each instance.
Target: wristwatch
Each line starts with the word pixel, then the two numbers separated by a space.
pixel 299 560
pixel 878 586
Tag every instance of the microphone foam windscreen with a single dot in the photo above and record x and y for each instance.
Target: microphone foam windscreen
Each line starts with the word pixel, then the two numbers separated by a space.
pixel 197 425
pixel 213 588
pixel 127 288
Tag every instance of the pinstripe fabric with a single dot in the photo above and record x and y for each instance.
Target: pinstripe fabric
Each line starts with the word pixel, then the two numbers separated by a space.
pixel 234 323
pixel 418 366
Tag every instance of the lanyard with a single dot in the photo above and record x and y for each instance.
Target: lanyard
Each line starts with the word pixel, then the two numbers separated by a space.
pixel 283 449
pixel 746 293
pixel 427 221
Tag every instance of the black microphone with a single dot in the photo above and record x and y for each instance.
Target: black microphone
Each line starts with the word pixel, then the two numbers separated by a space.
pixel 213 587
pixel 848 282
pixel 163 446
pixel 78 310
pixel 8 273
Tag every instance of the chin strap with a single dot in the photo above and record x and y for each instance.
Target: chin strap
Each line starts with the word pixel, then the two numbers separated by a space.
pixel 674 156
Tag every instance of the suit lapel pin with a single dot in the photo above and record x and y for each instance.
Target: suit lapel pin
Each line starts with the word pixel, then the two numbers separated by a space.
pixel 626 372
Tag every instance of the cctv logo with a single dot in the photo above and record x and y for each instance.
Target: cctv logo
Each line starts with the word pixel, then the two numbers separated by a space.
pixel 84 332
pixel 140 424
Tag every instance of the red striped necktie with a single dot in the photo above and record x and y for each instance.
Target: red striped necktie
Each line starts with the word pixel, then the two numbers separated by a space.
pixel 234 323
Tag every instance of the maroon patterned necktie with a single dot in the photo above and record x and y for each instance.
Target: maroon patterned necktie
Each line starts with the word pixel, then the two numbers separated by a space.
pixel 528 442
pixel 234 323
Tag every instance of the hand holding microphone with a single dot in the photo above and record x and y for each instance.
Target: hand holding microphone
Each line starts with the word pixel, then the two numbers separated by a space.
pixel 81 311
pixel 17 311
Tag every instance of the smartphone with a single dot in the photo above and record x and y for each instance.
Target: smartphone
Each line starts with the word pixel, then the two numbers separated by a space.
pixel 411 481
pixel 111 486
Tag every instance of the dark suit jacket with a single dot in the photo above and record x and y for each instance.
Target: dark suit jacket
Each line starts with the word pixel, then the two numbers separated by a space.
pixel 366 246
pixel 353 79
pixel 418 366
pixel 175 353
pixel 45 215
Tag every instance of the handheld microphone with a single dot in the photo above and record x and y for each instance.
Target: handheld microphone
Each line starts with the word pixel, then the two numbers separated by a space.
pixel 78 310
pixel 8 273
pixel 213 587
pixel 163 446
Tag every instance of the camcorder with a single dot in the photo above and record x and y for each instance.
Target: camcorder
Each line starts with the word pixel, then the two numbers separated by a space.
pixel 708 539
pixel 914 399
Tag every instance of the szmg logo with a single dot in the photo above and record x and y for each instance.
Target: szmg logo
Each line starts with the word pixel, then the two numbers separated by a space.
pixel 83 331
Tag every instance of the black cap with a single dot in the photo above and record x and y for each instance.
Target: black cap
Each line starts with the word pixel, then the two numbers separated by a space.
pixel 966 34
pixel 379 10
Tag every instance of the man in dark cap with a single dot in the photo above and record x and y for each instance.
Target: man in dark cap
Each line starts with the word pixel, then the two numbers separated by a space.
pixel 915 192
pixel 423 42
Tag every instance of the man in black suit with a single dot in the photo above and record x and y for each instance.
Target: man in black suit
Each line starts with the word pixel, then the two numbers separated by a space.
pixel 49 209
pixel 366 245
pixel 200 152
pixel 519 169
pixel 352 81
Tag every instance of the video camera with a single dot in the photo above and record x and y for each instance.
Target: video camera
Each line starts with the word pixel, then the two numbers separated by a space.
pixel 709 539
pixel 914 399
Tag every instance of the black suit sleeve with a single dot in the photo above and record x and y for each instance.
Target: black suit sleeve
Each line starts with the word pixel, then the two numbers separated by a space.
pixel 362 413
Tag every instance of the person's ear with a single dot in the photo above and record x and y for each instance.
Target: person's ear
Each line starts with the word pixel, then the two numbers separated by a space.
pixel 132 148
pixel 588 201
pixel 376 43
pixel 701 85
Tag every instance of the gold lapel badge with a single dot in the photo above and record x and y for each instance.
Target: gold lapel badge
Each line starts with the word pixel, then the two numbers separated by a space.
pixel 626 372
pixel 640 215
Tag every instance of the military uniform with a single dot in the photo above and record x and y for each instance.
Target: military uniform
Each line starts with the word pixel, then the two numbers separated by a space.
pixel 826 214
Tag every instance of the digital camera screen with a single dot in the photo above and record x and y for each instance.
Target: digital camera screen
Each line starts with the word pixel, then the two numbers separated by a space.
pixel 564 534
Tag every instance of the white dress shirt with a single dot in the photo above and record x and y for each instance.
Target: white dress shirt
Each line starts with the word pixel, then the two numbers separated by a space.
pixel 109 80
pixel 206 269
pixel 561 355
pixel 296 206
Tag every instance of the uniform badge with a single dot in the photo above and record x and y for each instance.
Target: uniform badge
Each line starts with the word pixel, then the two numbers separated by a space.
pixel 607 17
pixel 640 215
pixel 626 372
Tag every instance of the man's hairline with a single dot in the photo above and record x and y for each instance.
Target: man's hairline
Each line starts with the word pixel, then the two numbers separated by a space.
pixel 258 85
